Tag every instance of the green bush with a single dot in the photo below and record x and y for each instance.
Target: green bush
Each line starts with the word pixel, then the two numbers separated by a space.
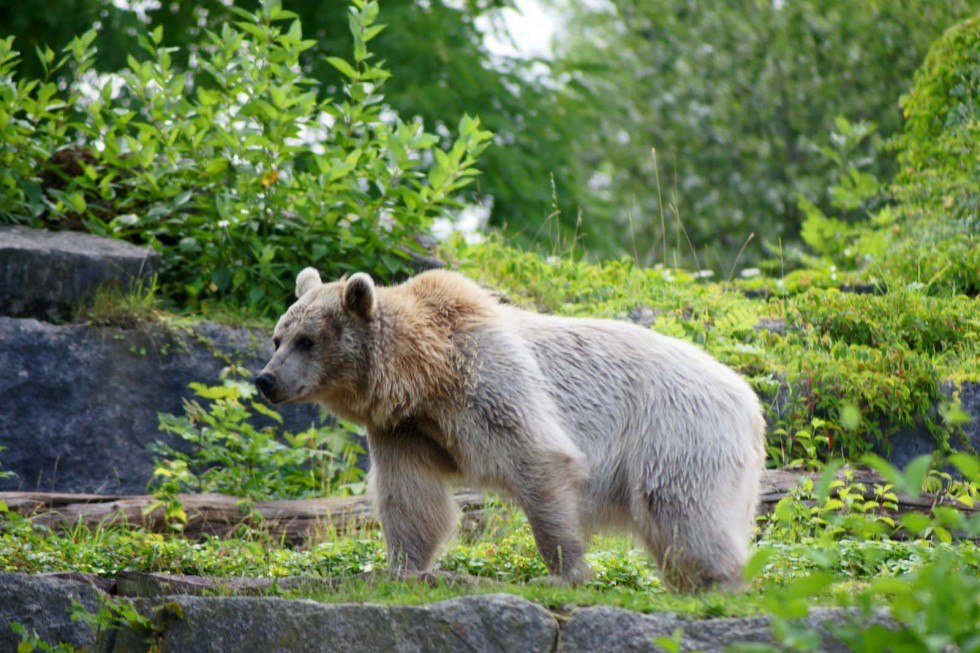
pixel 228 454
pixel 233 169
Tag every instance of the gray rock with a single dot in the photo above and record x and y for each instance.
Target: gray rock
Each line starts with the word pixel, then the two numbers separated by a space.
pixel 43 605
pixel 194 624
pixel 49 274
pixel 644 316
pixel 601 629
pixel 910 442
pixel 80 404
pixel 776 326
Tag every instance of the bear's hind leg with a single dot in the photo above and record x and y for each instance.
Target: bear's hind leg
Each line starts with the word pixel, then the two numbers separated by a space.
pixel 693 551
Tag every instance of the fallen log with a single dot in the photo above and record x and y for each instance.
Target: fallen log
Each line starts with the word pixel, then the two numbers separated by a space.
pixel 296 521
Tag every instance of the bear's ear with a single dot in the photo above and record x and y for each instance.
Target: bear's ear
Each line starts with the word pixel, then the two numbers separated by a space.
pixel 307 280
pixel 359 297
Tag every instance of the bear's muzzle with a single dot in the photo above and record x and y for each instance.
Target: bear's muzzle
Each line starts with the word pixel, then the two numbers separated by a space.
pixel 266 383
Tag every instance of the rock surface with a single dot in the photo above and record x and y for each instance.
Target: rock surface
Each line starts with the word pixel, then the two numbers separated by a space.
pixel 497 622
pixel 49 274
pixel 43 605
pixel 80 403
pixel 604 629
pixel 908 443
pixel 194 624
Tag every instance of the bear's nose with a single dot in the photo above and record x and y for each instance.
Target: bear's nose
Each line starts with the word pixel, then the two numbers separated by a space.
pixel 265 382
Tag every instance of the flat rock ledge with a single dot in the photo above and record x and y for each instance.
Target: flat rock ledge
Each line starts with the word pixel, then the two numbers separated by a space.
pixel 192 623
pixel 48 274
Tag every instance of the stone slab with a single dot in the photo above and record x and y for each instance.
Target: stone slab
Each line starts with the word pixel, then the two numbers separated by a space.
pixel 50 274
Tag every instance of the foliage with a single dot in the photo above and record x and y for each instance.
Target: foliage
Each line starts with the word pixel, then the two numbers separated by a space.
pixel 240 175
pixel 441 70
pixel 927 235
pixel 939 182
pixel 935 604
pixel 30 642
pixel 834 509
pixel 231 455
pixel 735 98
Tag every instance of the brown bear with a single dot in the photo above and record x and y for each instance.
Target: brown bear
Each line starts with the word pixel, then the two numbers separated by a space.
pixel 585 423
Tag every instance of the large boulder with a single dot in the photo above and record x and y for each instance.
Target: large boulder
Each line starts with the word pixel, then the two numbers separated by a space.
pixel 49 274
pixel 604 629
pixel 43 606
pixel 80 403
pixel 195 624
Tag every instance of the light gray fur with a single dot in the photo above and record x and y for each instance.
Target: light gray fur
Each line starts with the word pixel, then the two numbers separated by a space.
pixel 587 424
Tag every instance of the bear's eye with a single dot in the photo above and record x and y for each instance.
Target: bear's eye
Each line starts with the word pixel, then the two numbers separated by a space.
pixel 304 343
pixel 275 343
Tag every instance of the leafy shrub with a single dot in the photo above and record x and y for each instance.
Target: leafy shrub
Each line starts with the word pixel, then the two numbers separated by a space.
pixel 232 456
pixel 233 169
pixel 935 602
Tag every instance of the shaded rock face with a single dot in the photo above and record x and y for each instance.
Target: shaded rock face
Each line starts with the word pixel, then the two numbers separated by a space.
pixel 479 623
pixel 44 605
pixel 49 274
pixel 909 443
pixel 611 630
pixel 79 404
pixel 498 622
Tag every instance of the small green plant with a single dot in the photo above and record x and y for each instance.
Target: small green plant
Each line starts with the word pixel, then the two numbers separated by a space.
pixel 114 305
pixel 121 614
pixel 832 509
pixel 4 473
pixel 229 454
pixel 30 642
pixel 936 604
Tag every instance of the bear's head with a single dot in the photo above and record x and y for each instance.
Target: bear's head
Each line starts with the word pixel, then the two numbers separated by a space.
pixel 322 342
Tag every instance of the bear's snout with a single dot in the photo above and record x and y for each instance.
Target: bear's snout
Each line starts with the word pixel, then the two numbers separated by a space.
pixel 266 383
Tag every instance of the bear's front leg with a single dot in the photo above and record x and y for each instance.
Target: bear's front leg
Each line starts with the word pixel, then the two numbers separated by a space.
pixel 409 478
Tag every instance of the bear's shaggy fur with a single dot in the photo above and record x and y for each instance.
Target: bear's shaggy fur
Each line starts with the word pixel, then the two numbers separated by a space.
pixel 585 423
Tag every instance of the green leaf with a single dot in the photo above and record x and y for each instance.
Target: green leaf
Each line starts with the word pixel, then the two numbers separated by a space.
pixel 968 465
pixel 850 416
pixel 342 66
pixel 808 586
pixel 760 558
pixel 261 408
pixel 915 474
pixel 914 522
pixel 215 391
pixel 829 474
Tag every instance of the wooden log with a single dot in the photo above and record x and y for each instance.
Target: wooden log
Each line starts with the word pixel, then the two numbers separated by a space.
pixel 214 514
pixel 297 521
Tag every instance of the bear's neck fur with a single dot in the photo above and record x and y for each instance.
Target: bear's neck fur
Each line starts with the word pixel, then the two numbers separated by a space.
pixel 422 362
